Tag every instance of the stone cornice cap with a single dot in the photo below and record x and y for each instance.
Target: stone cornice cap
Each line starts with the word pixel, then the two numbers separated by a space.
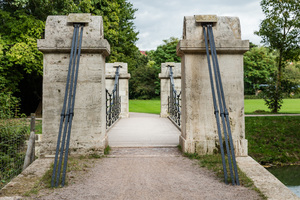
pixel 82 18
pixel 222 46
pixel 59 34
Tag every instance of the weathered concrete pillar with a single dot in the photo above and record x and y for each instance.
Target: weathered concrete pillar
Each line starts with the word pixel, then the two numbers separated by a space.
pixel 88 128
pixel 110 70
pixel 198 129
pixel 164 77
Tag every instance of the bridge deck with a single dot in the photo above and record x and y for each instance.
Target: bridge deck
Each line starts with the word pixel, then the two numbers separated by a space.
pixel 143 130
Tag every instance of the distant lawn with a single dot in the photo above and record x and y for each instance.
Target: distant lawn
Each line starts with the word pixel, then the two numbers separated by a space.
pixel 144 106
pixel 290 106
pixel 273 140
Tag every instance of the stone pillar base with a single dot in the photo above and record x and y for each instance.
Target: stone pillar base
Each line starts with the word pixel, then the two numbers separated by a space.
pixel 46 149
pixel 209 147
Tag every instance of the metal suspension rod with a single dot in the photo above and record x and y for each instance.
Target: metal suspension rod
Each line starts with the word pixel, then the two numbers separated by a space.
pixel 226 114
pixel 72 110
pixel 172 80
pixel 117 74
pixel 217 82
pixel 63 114
pixel 215 107
pixel 68 109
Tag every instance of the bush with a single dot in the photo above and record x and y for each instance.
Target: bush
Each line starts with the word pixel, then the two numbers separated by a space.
pixel 9 104
pixel 273 97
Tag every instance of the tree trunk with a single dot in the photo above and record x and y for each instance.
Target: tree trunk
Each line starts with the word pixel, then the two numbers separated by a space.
pixel 278 83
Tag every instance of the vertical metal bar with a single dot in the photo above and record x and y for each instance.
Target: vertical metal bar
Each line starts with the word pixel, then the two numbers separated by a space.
pixel 110 108
pixel 63 109
pixel 106 109
pixel 226 114
pixel 72 109
pixel 215 107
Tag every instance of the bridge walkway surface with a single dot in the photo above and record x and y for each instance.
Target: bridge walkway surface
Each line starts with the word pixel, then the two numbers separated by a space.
pixel 143 130
pixel 145 163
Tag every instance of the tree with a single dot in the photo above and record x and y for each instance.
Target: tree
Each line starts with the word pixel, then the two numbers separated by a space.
pixel 165 52
pixel 22 23
pixel 259 66
pixel 21 62
pixel 280 31
pixel 291 79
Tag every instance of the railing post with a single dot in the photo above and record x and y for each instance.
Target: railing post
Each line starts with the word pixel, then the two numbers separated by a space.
pixel 30 153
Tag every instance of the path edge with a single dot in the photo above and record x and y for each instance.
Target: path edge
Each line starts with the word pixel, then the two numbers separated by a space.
pixel 266 182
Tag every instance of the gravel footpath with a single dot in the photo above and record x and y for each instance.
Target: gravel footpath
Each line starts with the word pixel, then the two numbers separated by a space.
pixel 149 173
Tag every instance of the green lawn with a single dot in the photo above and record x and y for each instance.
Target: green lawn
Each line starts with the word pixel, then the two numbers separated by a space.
pixel 291 106
pixel 144 106
pixel 273 140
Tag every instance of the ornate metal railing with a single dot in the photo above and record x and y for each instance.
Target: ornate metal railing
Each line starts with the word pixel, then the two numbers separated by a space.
pixel 174 101
pixel 113 102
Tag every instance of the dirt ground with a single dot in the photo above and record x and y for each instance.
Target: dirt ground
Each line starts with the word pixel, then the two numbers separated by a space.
pixel 147 173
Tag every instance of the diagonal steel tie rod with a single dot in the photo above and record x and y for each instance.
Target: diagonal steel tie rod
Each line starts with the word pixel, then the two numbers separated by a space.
pixel 216 111
pixel 72 102
pixel 224 111
pixel 222 104
pixel 217 82
pixel 67 113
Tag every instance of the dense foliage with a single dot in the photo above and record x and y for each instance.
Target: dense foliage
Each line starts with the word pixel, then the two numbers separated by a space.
pixel 145 83
pixel 22 23
pixel 280 30
pixel 259 66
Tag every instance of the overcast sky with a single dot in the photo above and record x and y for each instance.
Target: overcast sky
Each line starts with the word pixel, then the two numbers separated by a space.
pixel 157 20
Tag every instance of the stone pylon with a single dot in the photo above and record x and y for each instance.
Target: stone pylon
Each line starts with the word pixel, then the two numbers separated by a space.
pixel 89 125
pixel 110 70
pixel 164 77
pixel 198 128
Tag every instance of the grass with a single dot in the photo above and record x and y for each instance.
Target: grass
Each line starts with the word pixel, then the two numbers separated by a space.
pixel 38 127
pixel 274 140
pixel 145 106
pixel 214 163
pixel 289 106
pixel 77 166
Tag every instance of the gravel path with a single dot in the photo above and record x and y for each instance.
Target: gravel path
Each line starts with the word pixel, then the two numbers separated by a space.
pixel 149 173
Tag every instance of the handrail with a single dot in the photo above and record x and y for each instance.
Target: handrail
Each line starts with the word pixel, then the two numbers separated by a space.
pixel 174 101
pixel 113 102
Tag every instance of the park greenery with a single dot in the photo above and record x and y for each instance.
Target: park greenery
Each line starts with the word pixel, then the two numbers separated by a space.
pixel 271 71
pixel 279 144
pixel 280 32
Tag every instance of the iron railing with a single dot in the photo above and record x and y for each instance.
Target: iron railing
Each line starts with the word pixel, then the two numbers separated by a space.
pixel 174 101
pixel 113 102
